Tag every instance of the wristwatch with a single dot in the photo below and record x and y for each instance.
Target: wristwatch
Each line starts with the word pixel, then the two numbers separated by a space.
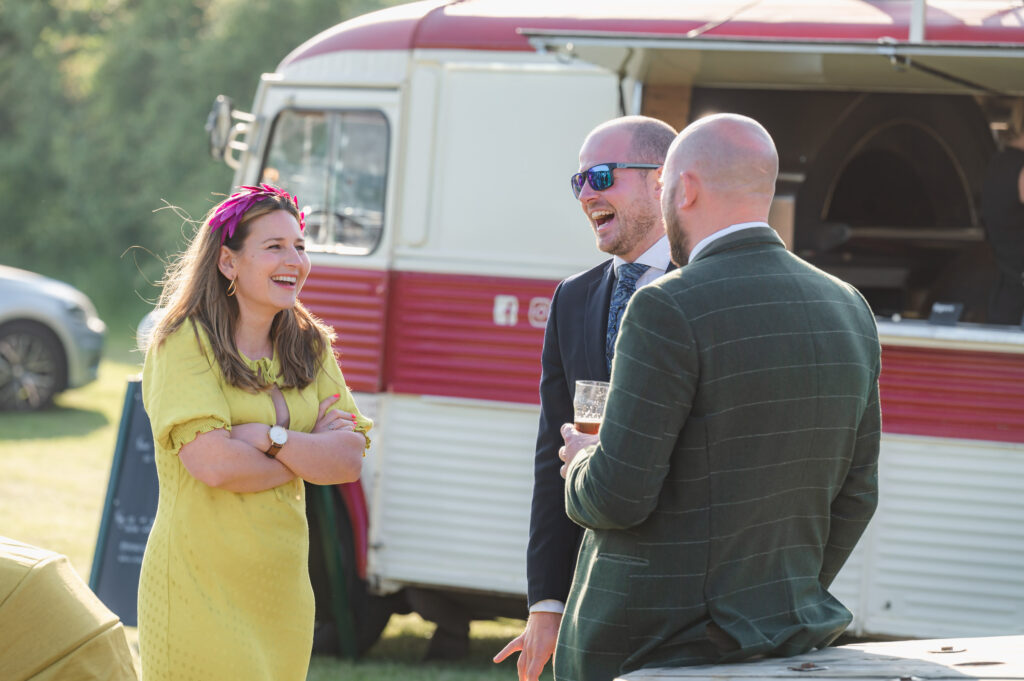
pixel 278 436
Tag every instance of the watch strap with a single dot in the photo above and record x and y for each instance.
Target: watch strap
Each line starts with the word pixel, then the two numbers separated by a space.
pixel 275 446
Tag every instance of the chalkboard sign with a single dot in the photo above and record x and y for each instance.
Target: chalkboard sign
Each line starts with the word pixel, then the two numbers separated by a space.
pixel 128 511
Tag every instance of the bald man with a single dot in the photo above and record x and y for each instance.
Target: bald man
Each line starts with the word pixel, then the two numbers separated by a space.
pixel 737 462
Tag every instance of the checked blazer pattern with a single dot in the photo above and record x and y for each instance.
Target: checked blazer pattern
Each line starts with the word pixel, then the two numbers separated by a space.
pixel 736 471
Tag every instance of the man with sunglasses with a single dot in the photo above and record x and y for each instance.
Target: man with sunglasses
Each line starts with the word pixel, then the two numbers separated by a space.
pixel 618 189
pixel 737 465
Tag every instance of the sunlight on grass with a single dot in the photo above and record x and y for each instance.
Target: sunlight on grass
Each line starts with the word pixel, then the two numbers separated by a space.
pixel 57 464
pixel 399 653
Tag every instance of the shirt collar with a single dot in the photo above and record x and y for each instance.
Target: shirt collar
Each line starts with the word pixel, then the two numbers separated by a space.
pixel 656 257
pixel 707 241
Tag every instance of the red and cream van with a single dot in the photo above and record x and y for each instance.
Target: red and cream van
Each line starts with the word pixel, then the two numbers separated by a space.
pixel 432 143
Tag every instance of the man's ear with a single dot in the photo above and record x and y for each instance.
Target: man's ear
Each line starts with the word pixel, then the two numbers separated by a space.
pixel 226 263
pixel 689 188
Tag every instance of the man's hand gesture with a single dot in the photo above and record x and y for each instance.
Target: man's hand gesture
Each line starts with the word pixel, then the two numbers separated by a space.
pixel 536 644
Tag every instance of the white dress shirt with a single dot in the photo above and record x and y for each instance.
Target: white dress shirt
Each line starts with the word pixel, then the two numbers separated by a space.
pixel 706 241
pixel 657 259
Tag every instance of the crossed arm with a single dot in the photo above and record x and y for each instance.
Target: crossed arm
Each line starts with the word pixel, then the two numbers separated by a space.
pixel 184 396
pixel 235 460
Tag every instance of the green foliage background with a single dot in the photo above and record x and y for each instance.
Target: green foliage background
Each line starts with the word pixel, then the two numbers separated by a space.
pixel 102 108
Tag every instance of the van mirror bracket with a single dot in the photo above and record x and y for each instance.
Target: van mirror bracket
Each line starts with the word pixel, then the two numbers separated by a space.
pixel 224 134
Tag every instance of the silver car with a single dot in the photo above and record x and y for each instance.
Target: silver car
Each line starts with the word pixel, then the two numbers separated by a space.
pixel 50 339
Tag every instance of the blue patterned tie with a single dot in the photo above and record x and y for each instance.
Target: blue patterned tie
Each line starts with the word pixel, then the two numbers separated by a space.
pixel 625 285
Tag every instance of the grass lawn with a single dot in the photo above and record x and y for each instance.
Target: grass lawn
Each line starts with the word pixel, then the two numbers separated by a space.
pixel 57 462
pixel 56 468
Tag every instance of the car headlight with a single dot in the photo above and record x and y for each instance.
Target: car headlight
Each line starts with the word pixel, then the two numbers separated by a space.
pixel 77 312
pixel 83 312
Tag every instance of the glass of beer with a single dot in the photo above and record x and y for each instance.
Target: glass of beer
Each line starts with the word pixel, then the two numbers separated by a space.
pixel 588 405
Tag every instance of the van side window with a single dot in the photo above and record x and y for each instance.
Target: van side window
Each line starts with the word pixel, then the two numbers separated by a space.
pixel 336 162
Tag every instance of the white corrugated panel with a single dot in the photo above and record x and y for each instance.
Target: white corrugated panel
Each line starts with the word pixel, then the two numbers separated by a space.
pixel 945 553
pixel 943 556
pixel 452 493
pixel 369 406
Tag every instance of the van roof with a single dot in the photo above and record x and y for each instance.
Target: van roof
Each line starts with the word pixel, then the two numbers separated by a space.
pixel 499 24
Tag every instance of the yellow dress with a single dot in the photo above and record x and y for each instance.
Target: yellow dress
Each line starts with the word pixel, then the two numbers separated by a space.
pixel 224 591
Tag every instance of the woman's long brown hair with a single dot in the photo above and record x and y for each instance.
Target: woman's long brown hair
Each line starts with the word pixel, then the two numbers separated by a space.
pixel 194 289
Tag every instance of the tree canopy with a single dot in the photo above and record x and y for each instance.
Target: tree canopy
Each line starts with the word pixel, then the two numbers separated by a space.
pixel 102 107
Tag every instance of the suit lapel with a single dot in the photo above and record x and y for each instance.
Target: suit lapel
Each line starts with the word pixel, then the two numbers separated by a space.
pixel 595 323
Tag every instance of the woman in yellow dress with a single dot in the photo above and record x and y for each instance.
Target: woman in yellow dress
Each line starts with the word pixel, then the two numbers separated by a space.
pixel 246 401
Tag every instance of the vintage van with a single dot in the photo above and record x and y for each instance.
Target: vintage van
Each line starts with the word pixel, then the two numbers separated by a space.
pixel 432 143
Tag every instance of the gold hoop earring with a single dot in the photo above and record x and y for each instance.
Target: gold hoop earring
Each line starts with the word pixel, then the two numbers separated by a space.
pixel 231 288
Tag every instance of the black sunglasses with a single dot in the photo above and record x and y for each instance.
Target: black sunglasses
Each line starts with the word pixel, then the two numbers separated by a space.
pixel 600 176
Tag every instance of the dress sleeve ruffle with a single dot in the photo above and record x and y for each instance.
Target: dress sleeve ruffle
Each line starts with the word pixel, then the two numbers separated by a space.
pixel 183 433
pixel 182 390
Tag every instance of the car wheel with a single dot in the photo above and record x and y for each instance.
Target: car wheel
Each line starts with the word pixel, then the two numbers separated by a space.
pixel 32 366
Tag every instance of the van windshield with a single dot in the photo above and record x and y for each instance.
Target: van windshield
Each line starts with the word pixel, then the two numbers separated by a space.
pixel 336 162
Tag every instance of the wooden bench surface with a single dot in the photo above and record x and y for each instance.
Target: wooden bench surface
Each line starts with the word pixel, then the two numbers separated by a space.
pixel 999 657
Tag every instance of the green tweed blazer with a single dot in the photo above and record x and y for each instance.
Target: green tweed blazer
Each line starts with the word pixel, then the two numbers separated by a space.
pixel 736 471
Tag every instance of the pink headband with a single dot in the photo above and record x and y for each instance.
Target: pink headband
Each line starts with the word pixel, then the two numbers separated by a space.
pixel 235 206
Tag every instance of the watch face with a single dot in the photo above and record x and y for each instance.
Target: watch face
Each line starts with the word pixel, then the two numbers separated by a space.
pixel 278 435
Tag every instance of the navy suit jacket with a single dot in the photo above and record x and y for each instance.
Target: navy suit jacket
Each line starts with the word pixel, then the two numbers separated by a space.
pixel 574 341
pixel 573 350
